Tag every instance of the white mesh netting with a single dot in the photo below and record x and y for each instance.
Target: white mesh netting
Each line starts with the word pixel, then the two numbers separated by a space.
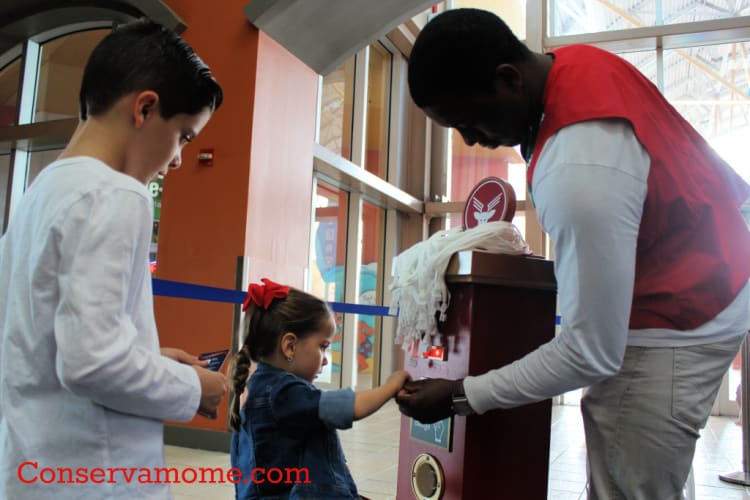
pixel 418 287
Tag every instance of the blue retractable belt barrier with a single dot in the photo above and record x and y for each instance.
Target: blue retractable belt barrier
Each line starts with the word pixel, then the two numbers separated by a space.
pixel 199 292
pixel 168 288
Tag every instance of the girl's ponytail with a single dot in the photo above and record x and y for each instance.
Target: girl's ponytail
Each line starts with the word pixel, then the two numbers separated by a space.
pixel 240 370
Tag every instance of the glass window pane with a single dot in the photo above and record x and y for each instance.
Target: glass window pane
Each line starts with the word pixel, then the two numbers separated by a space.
pixel 9 81
pixel 709 86
pixel 575 17
pixel 327 264
pixel 675 12
pixel 471 164
pixel 370 289
pixel 336 107
pixel 513 13
pixel 38 160
pixel 378 110
pixel 4 188
pixel 60 73
pixel 735 379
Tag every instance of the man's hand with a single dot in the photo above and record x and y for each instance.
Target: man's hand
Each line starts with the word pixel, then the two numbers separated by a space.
pixel 213 388
pixel 182 357
pixel 427 400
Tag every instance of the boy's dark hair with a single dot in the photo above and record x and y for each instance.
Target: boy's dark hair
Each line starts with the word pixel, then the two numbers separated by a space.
pixel 457 52
pixel 144 55
pixel 262 329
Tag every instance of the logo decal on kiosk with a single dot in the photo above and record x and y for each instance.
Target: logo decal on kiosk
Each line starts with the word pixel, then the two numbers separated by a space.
pixel 491 200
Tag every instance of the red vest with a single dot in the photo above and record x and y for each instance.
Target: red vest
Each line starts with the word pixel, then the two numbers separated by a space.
pixel 693 253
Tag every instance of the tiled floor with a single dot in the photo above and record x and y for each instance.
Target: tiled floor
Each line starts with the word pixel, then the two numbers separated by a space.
pixel 371 448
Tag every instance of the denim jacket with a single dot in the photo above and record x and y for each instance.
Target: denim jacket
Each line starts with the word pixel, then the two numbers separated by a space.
pixel 287 446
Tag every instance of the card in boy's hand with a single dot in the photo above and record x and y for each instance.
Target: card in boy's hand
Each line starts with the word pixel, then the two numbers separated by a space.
pixel 215 359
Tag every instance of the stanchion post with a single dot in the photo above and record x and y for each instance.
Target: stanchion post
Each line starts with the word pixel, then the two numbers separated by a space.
pixel 743 477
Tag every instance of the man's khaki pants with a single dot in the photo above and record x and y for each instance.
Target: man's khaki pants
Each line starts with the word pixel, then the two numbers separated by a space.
pixel 642 424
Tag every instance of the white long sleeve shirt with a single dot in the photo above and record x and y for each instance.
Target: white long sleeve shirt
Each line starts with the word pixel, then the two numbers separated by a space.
pixel 82 381
pixel 589 187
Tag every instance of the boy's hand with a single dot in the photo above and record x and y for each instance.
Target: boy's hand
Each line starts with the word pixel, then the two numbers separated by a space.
pixel 182 357
pixel 213 388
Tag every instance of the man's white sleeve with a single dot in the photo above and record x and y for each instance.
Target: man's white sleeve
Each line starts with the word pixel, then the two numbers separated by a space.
pixel 589 187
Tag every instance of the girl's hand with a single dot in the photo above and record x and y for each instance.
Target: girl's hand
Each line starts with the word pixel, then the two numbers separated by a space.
pixel 396 380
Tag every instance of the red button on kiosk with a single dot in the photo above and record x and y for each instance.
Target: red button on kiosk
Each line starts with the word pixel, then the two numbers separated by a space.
pixel 502 307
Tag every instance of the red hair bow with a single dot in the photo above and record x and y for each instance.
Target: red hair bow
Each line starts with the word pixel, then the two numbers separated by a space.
pixel 263 295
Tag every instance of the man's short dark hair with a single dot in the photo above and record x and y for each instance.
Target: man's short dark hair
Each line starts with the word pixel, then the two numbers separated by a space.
pixel 457 52
pixel 144 55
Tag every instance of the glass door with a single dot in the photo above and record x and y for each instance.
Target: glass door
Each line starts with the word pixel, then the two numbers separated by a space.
pixel 327 266
pixel 369 328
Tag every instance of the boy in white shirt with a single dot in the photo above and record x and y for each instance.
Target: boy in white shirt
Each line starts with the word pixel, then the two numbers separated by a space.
pixel 83 384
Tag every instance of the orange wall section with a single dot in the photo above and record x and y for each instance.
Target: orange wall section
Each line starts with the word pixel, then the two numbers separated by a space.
pixel 203 226
pixel 255 201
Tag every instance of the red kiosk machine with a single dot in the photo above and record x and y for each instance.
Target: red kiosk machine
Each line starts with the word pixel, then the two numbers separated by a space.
pixel 501 308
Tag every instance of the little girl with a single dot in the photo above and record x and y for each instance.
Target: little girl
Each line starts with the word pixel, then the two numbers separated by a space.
pixel 285 441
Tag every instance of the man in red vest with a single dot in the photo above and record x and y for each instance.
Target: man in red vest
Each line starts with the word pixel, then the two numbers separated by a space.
pixel 651 251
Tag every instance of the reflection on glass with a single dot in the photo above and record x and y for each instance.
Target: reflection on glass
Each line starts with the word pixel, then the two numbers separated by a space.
pixel 60 73
pixel 710 86
pixel 327 262
pixel 336 107
pixel 9 81
pixel 370 286
pixel 575 17
pixel 378 108
pixel 4 190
